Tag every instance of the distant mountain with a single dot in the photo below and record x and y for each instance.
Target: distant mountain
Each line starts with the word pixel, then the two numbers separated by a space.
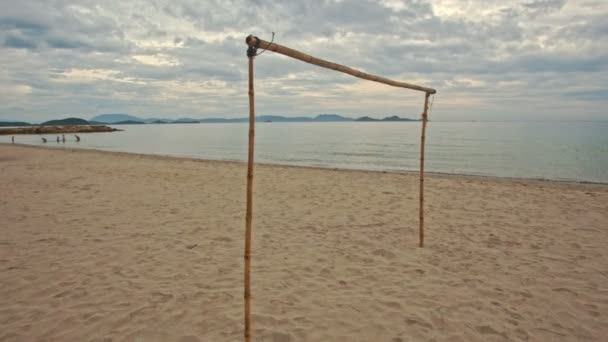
pixel 129 122
pixel 156 120
pixel 130 119
pixel 65 122
pixel 186 120
pixel 223 120
pixel 388 118
pixel 276 118
pixel 366 119
pixel 14 124
pixel 318 118
pixel 331 117
pixel 396 118
pixel 114 118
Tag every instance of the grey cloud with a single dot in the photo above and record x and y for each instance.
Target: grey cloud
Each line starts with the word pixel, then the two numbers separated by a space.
pixel 564 64
pixel 544 6
pixel 14 41
pixel 55 25
pixel 63 43
pixel 589 95
pixel 8 23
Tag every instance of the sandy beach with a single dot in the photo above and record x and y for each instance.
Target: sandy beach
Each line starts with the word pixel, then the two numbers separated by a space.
pixel 100 246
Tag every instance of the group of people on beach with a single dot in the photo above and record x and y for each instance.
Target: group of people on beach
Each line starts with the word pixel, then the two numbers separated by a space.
pixel 44 140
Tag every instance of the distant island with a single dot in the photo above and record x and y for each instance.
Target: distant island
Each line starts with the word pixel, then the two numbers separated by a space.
pixel 66 122
pixel 63 126
pixel 388 118
pixel 128 122
pixel 116 119
pixel 97 123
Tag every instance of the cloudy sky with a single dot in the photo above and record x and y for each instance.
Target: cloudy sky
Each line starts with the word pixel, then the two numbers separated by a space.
pixel 488 59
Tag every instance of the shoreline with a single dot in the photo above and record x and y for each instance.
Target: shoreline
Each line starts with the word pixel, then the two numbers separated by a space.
pixel 328 168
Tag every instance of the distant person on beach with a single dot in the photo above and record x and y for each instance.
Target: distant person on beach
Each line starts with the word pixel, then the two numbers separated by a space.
pixel 44 140
pixel 77 138
pixel 13 139
pixel 63 138
pixel 57 138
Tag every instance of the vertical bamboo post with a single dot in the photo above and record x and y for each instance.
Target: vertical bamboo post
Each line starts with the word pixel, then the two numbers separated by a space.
pixel 422 140
pixel 248 217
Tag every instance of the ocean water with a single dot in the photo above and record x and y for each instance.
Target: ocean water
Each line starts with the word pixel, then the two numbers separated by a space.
pixel 547 150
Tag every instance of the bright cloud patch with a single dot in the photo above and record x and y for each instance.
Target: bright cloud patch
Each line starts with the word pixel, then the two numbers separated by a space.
pixel 160 59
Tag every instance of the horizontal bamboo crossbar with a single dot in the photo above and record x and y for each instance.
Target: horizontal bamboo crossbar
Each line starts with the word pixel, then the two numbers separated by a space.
pixel 262 44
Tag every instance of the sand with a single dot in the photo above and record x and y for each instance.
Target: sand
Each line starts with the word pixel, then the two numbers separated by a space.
pixel 99 246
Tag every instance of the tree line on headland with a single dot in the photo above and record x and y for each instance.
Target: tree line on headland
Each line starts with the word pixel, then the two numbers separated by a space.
pixel 64 126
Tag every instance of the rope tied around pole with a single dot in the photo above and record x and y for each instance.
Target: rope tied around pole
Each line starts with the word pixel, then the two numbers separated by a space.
pixel 431 103
pixel 252 50
pixel 271 41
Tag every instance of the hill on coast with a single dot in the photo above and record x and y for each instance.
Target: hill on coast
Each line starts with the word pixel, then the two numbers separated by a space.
pixel 62 126
pixel 114 118
pixel 125 119
pixel 388 118
pixel 66 122
pixel 129 122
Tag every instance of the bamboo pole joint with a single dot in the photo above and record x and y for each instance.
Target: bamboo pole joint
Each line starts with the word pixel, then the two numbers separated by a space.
pixel 253 46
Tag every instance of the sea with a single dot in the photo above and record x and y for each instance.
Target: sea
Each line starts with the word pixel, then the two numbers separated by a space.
pixel 570 151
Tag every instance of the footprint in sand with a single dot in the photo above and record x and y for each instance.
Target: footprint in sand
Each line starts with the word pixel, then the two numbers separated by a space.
pixel 277 336
pixel 325 272
pixel 222 239
pixel 411 321
pixel 384 254
pixel 392 305
pixel 564 290
pixel 488 330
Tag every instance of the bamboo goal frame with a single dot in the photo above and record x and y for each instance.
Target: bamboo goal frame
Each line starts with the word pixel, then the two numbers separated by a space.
pixel 254 43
